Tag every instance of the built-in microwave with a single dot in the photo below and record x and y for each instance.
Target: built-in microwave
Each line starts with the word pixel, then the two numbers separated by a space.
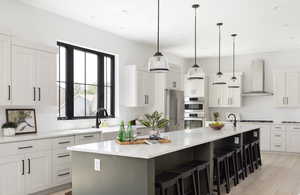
pixel 194 104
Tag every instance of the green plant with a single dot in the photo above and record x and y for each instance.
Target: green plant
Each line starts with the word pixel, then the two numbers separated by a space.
pixel 9 125
pixel 216 116
pixel 154 121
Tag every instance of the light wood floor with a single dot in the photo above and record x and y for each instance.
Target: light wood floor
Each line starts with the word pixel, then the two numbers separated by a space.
pixel 280 175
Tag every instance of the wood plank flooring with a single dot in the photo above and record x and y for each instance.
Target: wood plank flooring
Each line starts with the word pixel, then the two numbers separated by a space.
pixel 280 175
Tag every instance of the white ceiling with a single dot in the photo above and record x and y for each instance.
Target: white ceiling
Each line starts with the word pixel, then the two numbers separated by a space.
pixel 262 25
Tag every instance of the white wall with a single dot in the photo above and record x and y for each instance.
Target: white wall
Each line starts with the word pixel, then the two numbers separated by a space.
pixel 37 25
pixel 258 107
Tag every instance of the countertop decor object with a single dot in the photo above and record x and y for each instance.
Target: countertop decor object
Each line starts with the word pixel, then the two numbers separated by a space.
pixel 155 122
pixel 216 125
pixel 9 129
pixel 24 118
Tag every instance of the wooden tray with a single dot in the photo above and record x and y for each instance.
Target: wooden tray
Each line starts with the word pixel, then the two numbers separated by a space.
pixel 142 141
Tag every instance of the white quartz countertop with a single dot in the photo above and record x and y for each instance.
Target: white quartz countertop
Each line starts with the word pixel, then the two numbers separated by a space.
pixel 179 140
pixel 60 133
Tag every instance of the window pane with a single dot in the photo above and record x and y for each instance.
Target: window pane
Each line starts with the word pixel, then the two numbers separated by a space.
pixel 79 100
pixel 91 100
pixel 107 70
pixel 61 92
pixel 61 65
pixel 79 63
pixel 107 99
pixel 91 68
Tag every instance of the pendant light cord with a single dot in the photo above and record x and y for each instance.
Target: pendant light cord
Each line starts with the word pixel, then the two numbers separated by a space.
pixel 195 35
pixel 158 20
pixel 219 47
pixel 233 60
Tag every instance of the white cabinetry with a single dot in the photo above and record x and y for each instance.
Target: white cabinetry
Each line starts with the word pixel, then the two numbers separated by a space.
pixel 12 175
pixel 5 70
pixel 278 138
pixel 287 89
pixel 139 87
pixel 87 138
pixel 265 135
pixel 223 92
pixel 293 137
pixel 33 76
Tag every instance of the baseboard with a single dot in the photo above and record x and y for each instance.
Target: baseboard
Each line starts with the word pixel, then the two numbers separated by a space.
pixel 54 189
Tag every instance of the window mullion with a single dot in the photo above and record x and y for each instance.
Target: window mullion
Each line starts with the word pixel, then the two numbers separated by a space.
pixel 85 84
pixel 69 97
pixel 100 76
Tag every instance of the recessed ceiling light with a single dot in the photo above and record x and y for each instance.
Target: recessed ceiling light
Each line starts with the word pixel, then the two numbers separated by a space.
pixel 276 7
pixel 124 11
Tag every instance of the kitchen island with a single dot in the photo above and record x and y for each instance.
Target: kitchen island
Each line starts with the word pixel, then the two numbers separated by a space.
pixel 131 169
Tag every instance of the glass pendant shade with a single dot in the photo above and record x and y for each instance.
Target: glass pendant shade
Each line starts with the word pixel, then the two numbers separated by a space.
pixel 195 70
pixel 158 63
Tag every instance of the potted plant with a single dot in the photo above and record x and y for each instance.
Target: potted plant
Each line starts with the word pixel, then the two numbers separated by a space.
pixel 9 129
pixel 216 125
pixel 155 121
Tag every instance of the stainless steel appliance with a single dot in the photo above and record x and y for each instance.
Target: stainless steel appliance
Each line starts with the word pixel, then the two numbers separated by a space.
pixel 194 114
pixel 174 109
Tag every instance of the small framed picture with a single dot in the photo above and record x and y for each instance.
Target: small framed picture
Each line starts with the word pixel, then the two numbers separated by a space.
pixel 24 118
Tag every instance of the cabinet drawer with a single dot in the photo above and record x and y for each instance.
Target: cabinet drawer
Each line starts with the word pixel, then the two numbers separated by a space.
pixel 62 157
pixel 24 147
pixel 278 137
pixel 62 142
pixel 87 138
pixel 278 127
pixel 296 128
pixel 62 174
pixel 108 136
pixel 278 147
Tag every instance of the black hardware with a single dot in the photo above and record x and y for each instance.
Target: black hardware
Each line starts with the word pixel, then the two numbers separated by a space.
pixel 39 94
pixel 104 115
pixel 23 167
pixel 234 122
pixel 9 92
pixel 88 136
pixel 33 93
pixel 63 156
pixel 65 142
pixel 29 166
pixel 64 174
pixel 26 147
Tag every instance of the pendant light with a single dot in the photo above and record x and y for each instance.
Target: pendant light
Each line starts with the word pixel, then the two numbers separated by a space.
pixel 220 74
pixel 158 63
pixel 233 78
pixel 196 71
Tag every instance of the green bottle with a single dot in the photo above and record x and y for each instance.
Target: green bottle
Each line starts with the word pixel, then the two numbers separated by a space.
pixel 122 133
pixel 129 132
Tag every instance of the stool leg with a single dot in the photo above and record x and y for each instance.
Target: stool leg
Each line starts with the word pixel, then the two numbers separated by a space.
pixel 245 162
pixel 182 187
pixel 242 165
pixel 178 188
pixel 227 175
pixel 218 175
pixel 194 184
pixel 251 160
pixel 207 180
pixel 234 169
pixel 198 182
pixel 259 154
pixel 163 191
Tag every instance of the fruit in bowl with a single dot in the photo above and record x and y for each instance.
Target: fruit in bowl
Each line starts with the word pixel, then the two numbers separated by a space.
pixel 216 125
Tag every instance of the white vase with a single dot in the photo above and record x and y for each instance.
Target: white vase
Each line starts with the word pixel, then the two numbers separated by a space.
pixel 9 131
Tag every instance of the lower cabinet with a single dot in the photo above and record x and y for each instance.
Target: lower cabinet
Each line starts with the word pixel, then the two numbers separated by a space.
pixel 293 137
pixel 12 175
pixel 265 134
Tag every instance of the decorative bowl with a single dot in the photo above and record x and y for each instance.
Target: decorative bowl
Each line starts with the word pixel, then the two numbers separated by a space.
pixel 216 126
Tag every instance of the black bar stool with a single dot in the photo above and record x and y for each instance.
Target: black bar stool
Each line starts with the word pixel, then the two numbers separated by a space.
pixel 255 148
pixel 232 166
pixel 186 173
pixel 240 168
pixel 202 168
pixel 167 180
pixel 221 172
pixel 247 154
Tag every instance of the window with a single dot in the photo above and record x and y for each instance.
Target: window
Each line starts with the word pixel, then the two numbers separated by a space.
pixel 85 82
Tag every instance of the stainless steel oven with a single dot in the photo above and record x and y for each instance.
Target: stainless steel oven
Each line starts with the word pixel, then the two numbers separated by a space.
pixel 193 119
pixel 194 104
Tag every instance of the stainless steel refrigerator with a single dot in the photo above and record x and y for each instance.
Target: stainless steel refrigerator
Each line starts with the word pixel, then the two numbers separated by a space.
pixel 174 109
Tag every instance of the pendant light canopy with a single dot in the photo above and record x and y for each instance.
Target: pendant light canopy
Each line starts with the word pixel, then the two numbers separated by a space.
pixel 158 63
pixel 233 57
pixel 196 71
pixel 219 74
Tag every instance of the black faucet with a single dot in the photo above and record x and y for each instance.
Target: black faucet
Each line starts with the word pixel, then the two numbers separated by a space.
pixel 105 114
pixel 234 122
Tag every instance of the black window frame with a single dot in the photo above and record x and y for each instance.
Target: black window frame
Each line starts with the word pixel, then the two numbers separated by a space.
pixel 69 82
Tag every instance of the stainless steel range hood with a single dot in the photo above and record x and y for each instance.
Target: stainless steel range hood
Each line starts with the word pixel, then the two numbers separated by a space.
pixel 258 79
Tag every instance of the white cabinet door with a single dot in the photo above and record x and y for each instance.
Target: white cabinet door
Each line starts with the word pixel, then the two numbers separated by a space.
pixel 234 96
pixel 12 175
pixel 280 88
pixel 23 78
pixel 293 137
pixel 38 172
pixel 5 70
pixel 292 89
pixel 148 89
pixel 265 136
pixel 45 78
pixel 174 80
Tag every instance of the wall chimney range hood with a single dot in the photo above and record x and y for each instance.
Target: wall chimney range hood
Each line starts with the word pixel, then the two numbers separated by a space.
pixel 258 79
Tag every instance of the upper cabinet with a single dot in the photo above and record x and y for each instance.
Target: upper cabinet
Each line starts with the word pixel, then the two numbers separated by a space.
pixel 5 70
pixel 139 87
pixel 28 74
pixel 287 89
pixel 223 92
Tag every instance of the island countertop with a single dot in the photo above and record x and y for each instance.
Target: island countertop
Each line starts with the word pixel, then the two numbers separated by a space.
pixel 180 140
